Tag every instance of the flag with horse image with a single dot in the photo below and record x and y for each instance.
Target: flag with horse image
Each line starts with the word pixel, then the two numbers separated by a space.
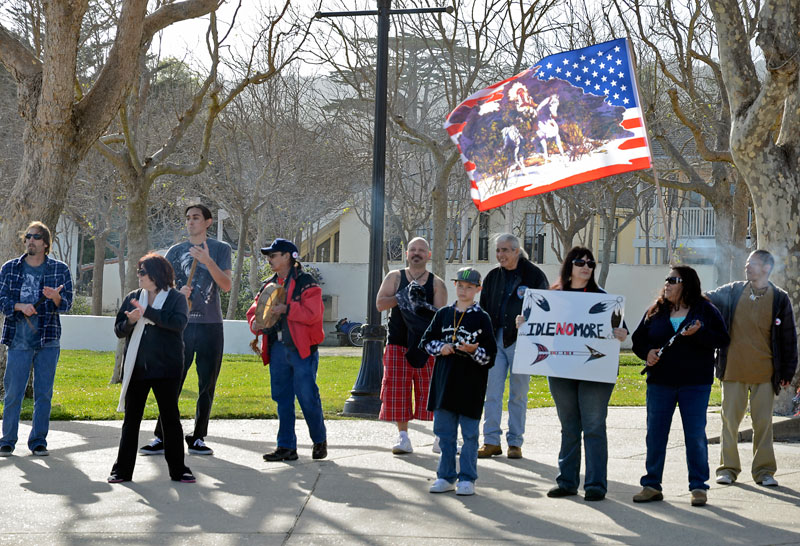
pixel 571 118
pixel 569 334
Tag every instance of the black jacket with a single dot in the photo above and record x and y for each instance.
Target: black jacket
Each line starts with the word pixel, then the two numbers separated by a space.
pixel 458 382
pixel 526 275
pixel 160 353
pixel 690 359
pixel 783 333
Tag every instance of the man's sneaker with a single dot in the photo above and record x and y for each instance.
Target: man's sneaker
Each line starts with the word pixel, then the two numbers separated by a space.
pixel 198 447
pixel 319 450
pixel 40 451
pixel 403 445
pixel 435 447
pixel 155 447
pixel 442 486
pixel 699 497
pixel 465 488
pixel 489 450
pixel 725 479
pixel 6 451
pixel 281 454
pixel 768 481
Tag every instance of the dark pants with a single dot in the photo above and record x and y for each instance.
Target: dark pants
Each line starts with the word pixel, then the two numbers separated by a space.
pixel 166 393
pixel 205 343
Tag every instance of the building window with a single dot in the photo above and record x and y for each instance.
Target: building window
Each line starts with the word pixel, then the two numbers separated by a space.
pixel 453 239
pixel 394 249
pixel 483 237
pixel 612 257
pixel 336 247
pixel 324 251
pixel 534 238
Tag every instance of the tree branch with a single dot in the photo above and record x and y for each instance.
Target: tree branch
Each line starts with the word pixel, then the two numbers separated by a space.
pixel 18 58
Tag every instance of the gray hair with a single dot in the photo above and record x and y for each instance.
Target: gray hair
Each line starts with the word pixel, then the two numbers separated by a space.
pixel 514 240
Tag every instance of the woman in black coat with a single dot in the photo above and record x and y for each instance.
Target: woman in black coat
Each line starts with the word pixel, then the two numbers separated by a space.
pixel 152 320
pixel 681 375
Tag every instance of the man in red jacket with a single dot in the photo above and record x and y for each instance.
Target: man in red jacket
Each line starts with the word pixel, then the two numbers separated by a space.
pixel 290 346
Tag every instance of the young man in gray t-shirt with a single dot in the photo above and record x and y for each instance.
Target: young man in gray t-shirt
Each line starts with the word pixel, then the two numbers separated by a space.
pixel 208 263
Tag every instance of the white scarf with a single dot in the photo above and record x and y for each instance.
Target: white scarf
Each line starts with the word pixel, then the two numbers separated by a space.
pixel 133 344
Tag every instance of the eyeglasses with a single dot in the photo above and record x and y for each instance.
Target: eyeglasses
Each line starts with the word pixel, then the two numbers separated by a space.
pixel 35 236
pixel 141 272
pixel 580 263
pixel 673 280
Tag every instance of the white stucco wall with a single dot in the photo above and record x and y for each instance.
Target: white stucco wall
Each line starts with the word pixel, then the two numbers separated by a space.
pixel 97 334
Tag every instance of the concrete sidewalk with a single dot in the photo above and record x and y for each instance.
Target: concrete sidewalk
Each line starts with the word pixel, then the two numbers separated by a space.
pixel 362 494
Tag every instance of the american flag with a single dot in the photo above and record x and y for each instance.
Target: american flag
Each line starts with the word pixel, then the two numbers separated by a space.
pixel 571 118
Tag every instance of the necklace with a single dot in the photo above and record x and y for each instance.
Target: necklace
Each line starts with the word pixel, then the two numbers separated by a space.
pixel 456 325
pixel 418 277
pixel 753 295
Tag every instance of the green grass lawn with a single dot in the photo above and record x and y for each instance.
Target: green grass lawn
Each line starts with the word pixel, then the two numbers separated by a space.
pixel 82 390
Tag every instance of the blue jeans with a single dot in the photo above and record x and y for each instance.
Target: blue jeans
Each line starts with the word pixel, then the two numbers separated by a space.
pixel 693 403
pixel 582 407
pixel 292 376
pixel 517 398
pixel 18 367
pixel 445 426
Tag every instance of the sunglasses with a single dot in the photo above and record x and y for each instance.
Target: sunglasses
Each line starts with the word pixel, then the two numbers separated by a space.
pixel 141 272
pixel 673 280
pixel 580 263
pixel 35 236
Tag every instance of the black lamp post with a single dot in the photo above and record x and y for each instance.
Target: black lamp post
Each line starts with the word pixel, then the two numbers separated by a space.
pixel 365 396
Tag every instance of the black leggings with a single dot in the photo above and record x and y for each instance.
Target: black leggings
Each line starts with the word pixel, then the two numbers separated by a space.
pixel 166 392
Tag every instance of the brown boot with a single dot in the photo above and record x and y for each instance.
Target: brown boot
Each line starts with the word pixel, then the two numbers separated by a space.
pixel 699 497
pixel 648 494
pixel 489 450
pixel 514 452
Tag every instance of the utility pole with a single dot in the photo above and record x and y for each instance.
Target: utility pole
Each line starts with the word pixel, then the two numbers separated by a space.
pixel 364 398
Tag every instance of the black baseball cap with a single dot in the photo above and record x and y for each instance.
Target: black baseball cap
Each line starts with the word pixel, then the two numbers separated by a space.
pixel 282 245
pixel 468 274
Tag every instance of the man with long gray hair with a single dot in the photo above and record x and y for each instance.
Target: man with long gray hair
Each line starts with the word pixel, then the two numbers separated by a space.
pixel 502 297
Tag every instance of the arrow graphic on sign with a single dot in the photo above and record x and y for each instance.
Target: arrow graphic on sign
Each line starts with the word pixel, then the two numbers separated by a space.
pixel 544 352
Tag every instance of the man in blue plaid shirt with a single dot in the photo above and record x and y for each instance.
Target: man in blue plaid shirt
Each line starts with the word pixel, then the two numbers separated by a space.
pixel 34 290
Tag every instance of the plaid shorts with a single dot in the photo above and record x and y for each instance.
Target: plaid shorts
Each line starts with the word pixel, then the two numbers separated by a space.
pixel 398 377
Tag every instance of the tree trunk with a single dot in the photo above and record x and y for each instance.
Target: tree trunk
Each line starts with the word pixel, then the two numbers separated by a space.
pixel 97 273
pixel 439 211
pixel 138 232
pixel 233 302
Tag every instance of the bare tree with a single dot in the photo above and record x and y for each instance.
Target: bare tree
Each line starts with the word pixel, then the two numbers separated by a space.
pixel 62 120
pixel 765 123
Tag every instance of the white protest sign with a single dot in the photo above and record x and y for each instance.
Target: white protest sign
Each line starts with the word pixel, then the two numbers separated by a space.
pixel 570 335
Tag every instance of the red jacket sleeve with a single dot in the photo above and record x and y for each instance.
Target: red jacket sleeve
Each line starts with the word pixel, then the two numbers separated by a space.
pixel 309 309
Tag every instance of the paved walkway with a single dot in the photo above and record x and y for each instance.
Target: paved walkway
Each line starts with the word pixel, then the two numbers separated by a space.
pixel 362 494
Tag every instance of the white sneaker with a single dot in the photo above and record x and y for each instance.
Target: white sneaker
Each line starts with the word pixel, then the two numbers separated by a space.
pixel 724 479
pixel 435 447
pixel 465 488
pixel 403 445
pixel 769 481
pixel 442 486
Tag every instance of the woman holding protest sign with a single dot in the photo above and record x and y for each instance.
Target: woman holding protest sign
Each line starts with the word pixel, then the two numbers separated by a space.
pixel 677 338
pixel 582 405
